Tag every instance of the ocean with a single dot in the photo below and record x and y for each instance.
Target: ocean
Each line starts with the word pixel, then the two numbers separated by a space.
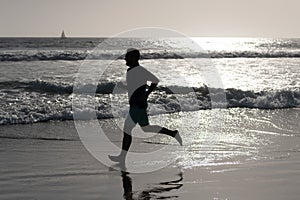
pixel 38 74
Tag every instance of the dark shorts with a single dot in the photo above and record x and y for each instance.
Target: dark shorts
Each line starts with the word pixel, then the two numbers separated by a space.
pixel 139 115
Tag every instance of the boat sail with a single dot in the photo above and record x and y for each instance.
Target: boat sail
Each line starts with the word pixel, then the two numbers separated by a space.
pixel 63 35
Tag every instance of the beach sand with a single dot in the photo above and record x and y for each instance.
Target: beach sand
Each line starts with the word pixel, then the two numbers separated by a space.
pixel 48 161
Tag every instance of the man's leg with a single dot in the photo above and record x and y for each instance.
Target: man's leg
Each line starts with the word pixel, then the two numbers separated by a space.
pixel 144 123
pixel 127 139
pixel 158 129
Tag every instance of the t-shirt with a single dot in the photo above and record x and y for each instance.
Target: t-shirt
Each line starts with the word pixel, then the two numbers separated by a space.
pixel 137 78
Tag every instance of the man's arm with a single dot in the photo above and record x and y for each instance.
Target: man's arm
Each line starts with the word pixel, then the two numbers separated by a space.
pixel 151 88
pixel 154 81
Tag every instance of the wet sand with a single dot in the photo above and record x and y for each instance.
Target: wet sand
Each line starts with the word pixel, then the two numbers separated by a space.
pixel 61 168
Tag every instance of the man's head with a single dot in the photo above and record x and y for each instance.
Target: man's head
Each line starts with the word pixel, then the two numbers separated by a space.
pixel 132 57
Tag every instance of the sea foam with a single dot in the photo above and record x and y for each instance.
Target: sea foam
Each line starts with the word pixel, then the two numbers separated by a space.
pixel 40 101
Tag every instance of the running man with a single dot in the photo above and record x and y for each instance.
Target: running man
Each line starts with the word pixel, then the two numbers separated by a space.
pixel 137 78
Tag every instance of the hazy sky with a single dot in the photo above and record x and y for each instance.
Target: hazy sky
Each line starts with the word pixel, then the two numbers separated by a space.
pixel 246 18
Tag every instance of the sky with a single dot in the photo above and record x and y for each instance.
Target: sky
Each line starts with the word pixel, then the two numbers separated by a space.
pixel 194 18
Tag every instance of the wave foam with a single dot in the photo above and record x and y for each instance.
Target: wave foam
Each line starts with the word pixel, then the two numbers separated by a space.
pixel 43 101
pixel 84 54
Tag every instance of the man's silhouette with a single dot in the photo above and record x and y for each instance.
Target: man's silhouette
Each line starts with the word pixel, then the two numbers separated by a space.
pixel 137 78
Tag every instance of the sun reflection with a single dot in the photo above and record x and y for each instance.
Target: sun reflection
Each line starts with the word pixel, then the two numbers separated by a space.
pixel 219 137
pixel 226 43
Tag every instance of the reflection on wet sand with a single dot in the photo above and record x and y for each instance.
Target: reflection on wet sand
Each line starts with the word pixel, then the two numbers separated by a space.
pixel 152 193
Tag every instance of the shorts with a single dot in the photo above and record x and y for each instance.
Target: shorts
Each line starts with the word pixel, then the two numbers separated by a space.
pixel 139 115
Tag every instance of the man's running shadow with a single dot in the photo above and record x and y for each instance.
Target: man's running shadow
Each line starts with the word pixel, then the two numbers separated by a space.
pixel 152 193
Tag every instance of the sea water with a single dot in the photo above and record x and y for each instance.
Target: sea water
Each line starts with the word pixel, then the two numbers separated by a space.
pixel 37 75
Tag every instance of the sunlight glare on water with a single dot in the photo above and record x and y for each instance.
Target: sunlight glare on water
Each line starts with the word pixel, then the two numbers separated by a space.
pixel 225 136
pixel 226 44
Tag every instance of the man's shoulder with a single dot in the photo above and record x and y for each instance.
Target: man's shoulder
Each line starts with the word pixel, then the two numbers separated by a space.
pixel 137 69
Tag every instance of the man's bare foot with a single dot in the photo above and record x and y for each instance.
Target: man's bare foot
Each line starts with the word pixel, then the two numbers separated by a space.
pixel 178 137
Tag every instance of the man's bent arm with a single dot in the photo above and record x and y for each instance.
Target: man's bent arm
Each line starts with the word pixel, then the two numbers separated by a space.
pixel 151 88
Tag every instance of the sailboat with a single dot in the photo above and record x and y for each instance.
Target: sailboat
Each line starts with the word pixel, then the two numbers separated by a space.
pixel 63 35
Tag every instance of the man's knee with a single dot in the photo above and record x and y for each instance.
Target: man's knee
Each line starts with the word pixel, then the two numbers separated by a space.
pixel 128 127
pixel 127 131
pixel 127 136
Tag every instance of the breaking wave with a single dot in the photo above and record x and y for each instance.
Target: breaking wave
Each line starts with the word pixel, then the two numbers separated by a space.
pixel 52 55
pixel 40 101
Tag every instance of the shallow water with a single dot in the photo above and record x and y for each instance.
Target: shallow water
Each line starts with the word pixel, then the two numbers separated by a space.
pixel 211 137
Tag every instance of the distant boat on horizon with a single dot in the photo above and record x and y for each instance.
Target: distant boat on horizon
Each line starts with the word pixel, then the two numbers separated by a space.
pixel 63 35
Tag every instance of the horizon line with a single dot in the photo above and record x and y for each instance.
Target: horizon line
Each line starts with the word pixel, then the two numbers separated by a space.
pixel 74 37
